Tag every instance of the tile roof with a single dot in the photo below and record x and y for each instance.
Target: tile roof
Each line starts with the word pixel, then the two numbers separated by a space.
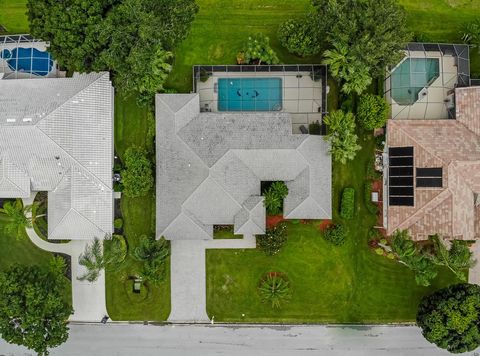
pixel 210 165
pixel 453 145
pixel 56 135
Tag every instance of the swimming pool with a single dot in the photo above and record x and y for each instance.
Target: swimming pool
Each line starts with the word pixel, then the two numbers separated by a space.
pixel 249 94
pixel 28 60
pixel 411 76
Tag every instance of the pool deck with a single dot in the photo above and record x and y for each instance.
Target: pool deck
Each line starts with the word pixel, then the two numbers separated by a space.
pixel 301 96
pixel 434 104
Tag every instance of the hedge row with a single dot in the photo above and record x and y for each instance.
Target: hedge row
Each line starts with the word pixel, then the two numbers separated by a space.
pixel 347 208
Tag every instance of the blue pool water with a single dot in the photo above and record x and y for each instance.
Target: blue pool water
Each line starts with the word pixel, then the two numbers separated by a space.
pixel 411 76
pixel 29 60
pixel 249 94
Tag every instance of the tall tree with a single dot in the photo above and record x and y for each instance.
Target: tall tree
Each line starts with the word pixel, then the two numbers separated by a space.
pixel 341 135
pixel 134 39
pixel 457 259
pixel 370 33
pixel 450 317
pixel 33 311
pixel 137 177
pixel 19 216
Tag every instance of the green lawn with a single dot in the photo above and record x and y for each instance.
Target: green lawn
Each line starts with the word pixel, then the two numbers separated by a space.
pixel 13 16
pixel 347 284
pixel 131 128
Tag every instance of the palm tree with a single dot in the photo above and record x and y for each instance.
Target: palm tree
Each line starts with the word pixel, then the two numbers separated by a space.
pixel 92 259
pixel 19 216
pixel 152 250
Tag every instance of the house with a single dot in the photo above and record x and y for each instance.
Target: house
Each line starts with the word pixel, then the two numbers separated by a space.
pixel 210 166
pixel 433 179
pixel 56 135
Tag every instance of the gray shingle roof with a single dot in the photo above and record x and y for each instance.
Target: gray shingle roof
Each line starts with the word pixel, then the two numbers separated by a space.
pixel 210 165
pixel 56 135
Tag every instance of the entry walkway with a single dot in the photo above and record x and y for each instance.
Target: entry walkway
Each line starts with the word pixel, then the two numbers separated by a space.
pixel 88 299
pixel 188 276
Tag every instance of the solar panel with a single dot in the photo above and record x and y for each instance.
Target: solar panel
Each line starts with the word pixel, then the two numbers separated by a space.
pixel 401 171
pixel 400 151
pixel 401 181
pixel 401 201
pixel 429 182
pixel 401 161
pixel 429 172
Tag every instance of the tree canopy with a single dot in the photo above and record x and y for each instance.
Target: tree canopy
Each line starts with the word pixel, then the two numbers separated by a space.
pixel 33 311
pixel 258 51
pixel 450 317
pixel 17 215
pixel 137 177
pixel 364 37
pixel 134 39
pixel 372 111
pixel 298 37
pixel 341 135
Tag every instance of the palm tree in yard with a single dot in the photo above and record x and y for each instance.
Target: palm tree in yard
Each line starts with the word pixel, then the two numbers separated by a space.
pixel 19 217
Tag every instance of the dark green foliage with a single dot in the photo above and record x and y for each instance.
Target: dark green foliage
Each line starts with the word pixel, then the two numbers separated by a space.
pixel 471 33
pixel 33 312
pixel 299 37
pixel 372 111
pixel 153 253
pixel 273 240
pixel 118 223
pixel 347 208
pixel 137 177
pixel 273 197
pixel 341 135
pixel 17 215
pixel 258 51
pixel 371 172
pixel 115 251
pixel 450 317
pixel 336 234
pixel 134 39
pixel 457 259
pixel 364 36
pixel 274 289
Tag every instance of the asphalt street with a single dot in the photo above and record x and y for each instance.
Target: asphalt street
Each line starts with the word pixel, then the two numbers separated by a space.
pixel 246 340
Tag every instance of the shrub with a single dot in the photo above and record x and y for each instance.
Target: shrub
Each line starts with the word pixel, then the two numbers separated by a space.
pixel 348 203
pixel 118 223
pixel 336 234
pixel 274 289
pixel 390 256
pixel 379 251
pixel 471 33
pixel 273 240
pixel 315 128
pixel 299 37
pixel 258 50
pixel 372 111
pixel 449 317
pixel 137 177
pixel 273 197
pixel 371 172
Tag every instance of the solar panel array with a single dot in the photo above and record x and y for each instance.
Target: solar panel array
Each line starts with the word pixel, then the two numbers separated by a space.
pixel 429 177
pixel 400 175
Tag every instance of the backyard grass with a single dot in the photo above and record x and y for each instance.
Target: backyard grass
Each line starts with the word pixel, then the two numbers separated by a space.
pixel 13 16
pixel 347 284
pixel 131 128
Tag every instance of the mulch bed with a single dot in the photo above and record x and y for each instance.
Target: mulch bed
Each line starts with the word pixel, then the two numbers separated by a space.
pixel 274 220
pixel 324 225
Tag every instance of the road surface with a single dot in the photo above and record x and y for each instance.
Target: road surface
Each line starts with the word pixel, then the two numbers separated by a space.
pixel 199 340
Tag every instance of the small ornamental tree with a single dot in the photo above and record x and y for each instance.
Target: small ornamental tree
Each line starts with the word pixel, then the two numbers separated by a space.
pixel 298 36
pixel 347 208
pixel 153 253
pixel 274 196
pixel 274 289
pixel 336 234
pixel 258 50
pixel 341 135
pixel 272 242
pixel 471 34
pixel 372 111
pixel 33 310
pixel 450 317
pixel 17 216
pixel 137 177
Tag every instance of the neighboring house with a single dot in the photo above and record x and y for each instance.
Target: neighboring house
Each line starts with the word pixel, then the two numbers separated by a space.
pixel 56 135
pixel 433 180
pixel 210 166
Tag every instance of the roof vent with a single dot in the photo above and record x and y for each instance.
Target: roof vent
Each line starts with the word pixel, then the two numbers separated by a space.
pixel 27 119
pixel 11 120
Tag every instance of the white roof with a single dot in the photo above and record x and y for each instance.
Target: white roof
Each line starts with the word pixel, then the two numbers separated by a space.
pixel 210 166
pixel 56 135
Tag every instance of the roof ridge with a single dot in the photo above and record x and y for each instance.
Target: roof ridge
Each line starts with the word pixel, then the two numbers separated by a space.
pixel 433 203
pixel 4 176
pixel 79 214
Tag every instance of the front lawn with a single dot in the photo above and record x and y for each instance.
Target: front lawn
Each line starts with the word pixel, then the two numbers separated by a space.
pixel 347 284
pixel 13 16
pixel 131 128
